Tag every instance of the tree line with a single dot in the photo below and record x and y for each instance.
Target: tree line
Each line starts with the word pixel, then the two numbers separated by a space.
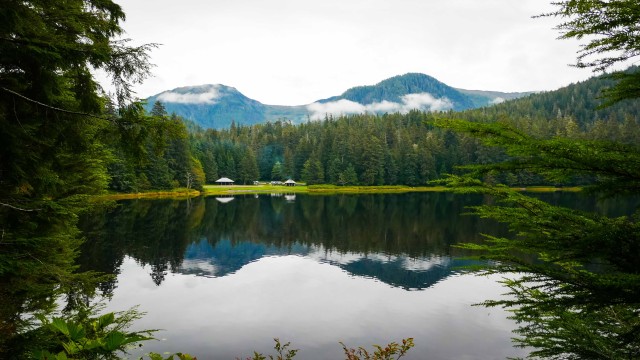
pixel 373 149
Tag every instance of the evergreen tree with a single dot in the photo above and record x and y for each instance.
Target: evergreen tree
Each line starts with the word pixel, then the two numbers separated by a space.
pixel 576 293
pixel 312 172
pixel 58 132
pixel 158 110
pixel 277 172
pixel 611 28
pixel 348 176
pixel 248 168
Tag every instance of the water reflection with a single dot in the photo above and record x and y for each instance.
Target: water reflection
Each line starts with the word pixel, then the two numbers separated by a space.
pixel 402 240
pixel 224 278
pixel 225 258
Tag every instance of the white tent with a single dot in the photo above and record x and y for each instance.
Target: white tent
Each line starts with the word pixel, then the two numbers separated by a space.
pixel 224 181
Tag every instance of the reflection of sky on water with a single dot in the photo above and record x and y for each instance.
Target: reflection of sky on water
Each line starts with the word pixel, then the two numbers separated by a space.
pixel 225 278
pixel 226 258
pixel 314 305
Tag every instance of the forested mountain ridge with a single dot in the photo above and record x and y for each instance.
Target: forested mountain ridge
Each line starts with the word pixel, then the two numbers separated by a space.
pixel 392 148
pixel 396 89
pixel 217 106
pixel 581 102
pixel 483 98
pixel 397 148
pixel 210 106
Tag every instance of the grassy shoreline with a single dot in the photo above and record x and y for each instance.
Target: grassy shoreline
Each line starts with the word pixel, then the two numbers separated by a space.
pixel 160 194
pixel 314 189
pixel 213 190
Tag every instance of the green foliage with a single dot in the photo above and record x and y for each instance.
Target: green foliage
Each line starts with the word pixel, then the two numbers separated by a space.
pixel 380 353
pixel 627 87
pixel 556 329
pixel 61 136
pixel 576 284
pixel 611 23
pixel 612 167
pixel 283 352
pixel 161 158
pixel 610 29
pixel 52 115
pixel 353 150
pixel 81 336
pixel 176 356
pixel 312 172
pixel 548 114
pixel 277 172
pixel 394 88
pixel 399 149
pixel 388 352
pixel 348 176
pixel 248 168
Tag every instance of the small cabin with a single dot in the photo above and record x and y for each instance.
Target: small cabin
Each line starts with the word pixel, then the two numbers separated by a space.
pixel 290 183
pixel 224 181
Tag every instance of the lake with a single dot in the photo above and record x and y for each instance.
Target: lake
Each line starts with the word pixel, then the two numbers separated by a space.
pixel 223 276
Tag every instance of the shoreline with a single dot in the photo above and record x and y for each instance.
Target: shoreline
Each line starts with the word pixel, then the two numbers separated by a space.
pixel 212 190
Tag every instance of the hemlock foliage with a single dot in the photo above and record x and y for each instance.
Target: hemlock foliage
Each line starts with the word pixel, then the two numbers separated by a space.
pixel 610 28
pixel 575 277
pixel 60 134
pixel 575 287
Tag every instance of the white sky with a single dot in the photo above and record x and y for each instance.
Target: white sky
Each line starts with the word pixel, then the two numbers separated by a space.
pixel 294 52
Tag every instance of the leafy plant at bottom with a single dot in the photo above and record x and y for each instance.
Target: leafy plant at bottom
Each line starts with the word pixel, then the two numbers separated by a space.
pixel 387 353
pixel 283 352
pixel 180 356
pixel 380 353
pixel 83 337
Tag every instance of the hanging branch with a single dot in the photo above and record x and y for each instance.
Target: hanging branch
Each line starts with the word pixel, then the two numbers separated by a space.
pixel 53 107
pixel 17 208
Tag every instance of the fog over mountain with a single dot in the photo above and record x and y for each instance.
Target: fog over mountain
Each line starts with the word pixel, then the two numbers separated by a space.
pixel 217 106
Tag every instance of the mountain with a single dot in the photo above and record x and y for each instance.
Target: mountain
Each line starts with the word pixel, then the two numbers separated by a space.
pixel 481 98
pixel 396 90
pixel 582 102
pixel 213 106
pixel 217 106
pixel 224 258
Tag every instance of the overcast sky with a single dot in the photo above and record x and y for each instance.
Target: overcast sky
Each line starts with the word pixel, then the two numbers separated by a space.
pixel 293 52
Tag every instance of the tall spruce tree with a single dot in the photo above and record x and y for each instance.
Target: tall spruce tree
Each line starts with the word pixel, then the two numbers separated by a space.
pixel 56 131
pixel 576 285
pixel 613 36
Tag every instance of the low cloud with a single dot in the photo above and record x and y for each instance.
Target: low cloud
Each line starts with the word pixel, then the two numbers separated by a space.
pixel 421 101
pixel 425 101
pixel 384 106
pixel 497 100
pixel 208 97
pixel 335 108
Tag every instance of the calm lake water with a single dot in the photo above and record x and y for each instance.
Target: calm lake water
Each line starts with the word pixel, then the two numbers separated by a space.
pixel 224 276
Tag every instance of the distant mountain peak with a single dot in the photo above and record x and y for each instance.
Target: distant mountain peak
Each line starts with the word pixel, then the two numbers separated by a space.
pixel 400 93
pixel 200 94
pixel 217 105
